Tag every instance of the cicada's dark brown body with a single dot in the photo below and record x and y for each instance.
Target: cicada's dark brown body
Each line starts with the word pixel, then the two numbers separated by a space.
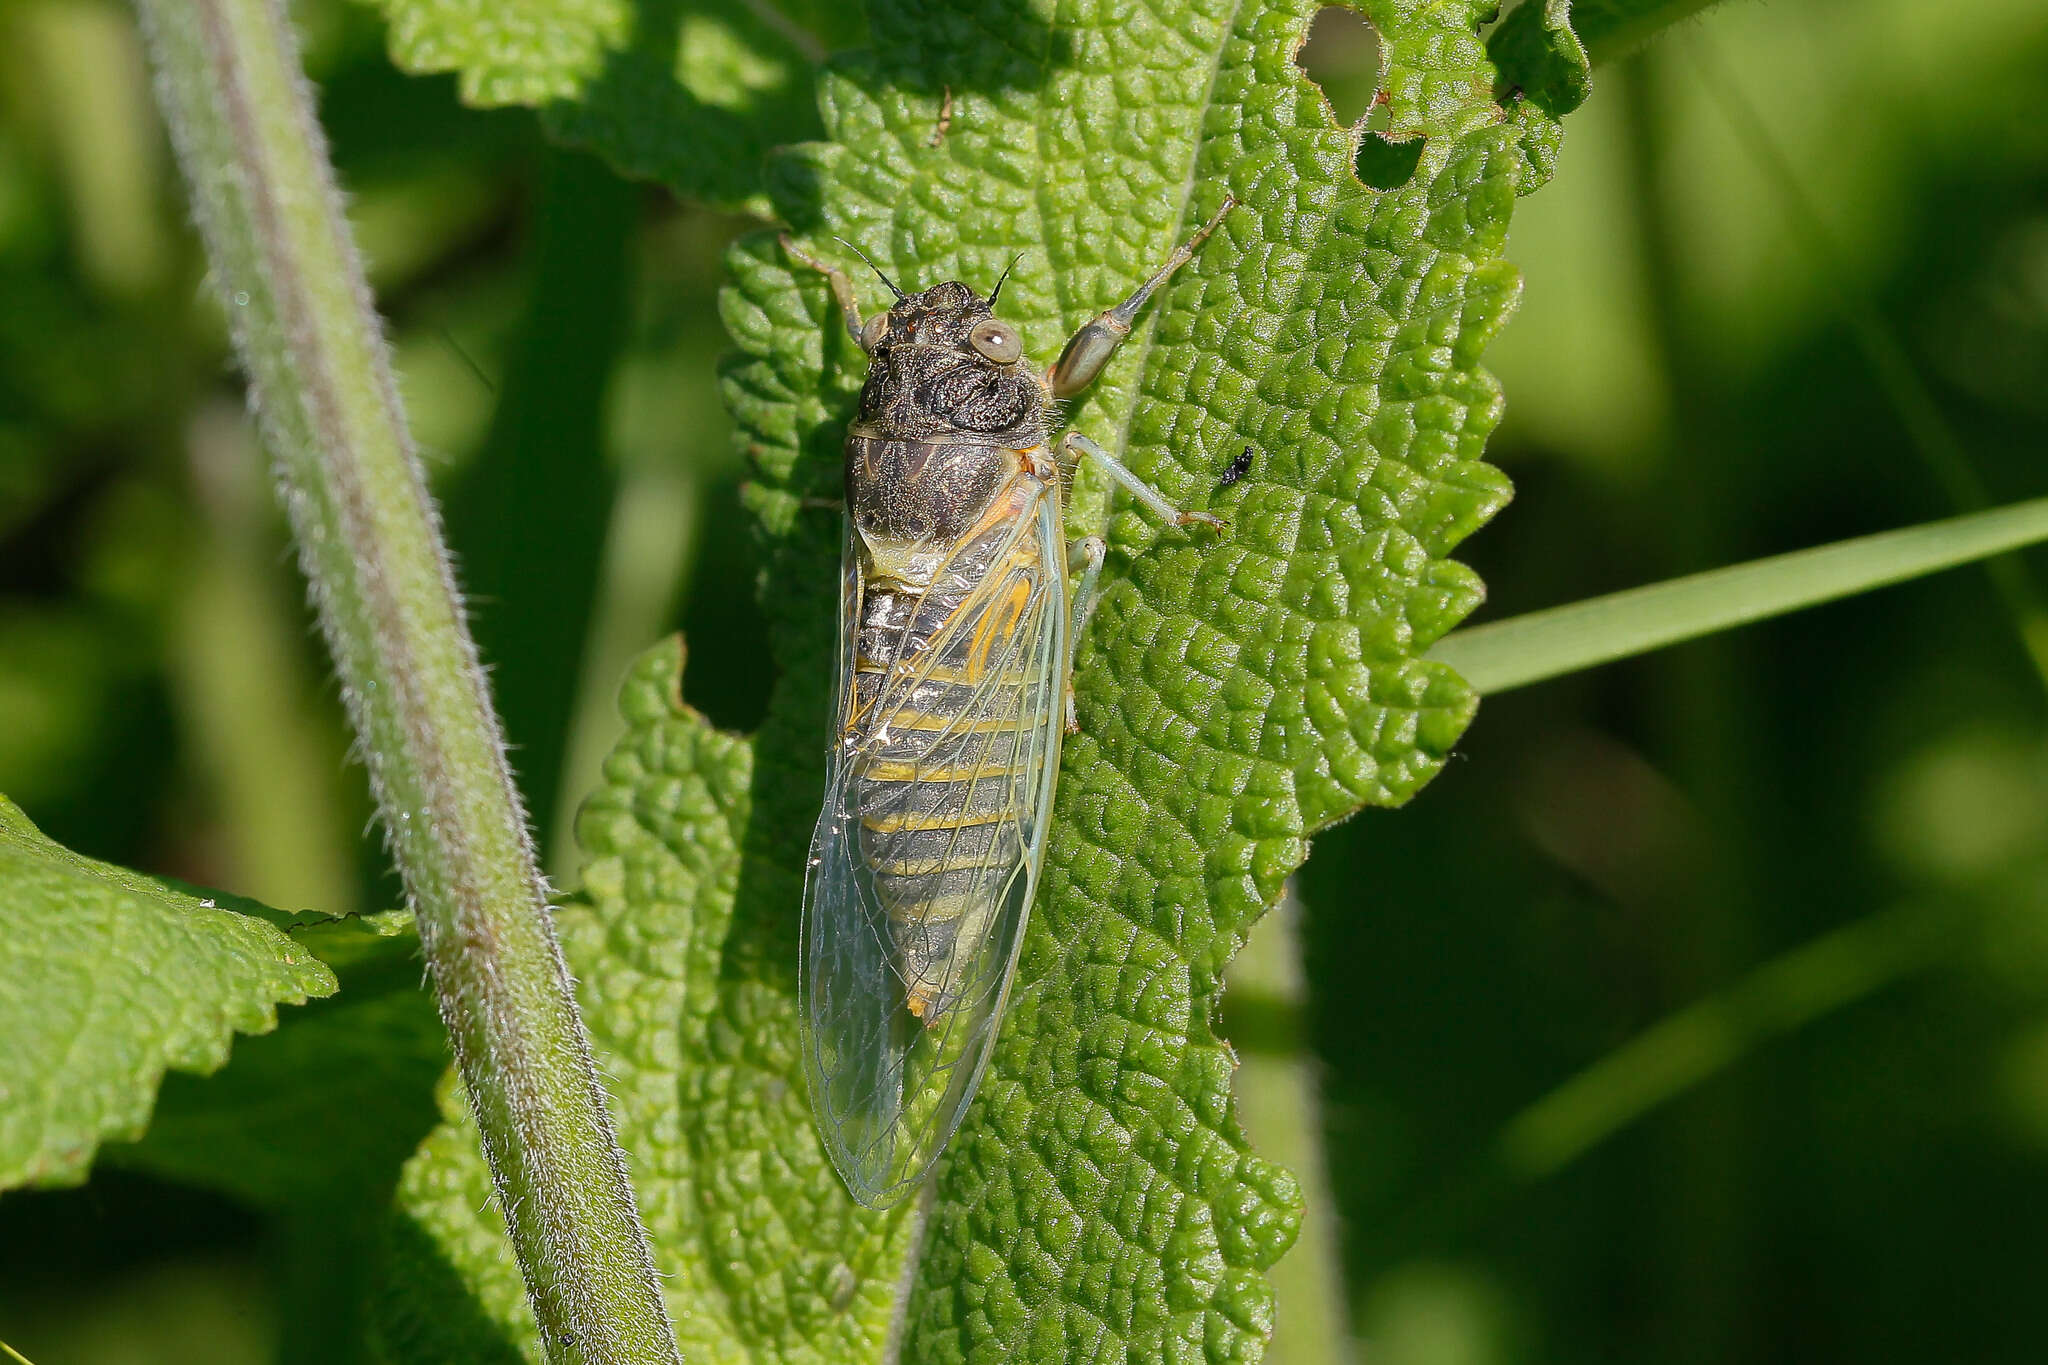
pixel 951 495
pixel 951 706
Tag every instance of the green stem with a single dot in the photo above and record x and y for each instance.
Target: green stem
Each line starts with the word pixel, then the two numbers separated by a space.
pixel 263 193
pixel 1548 644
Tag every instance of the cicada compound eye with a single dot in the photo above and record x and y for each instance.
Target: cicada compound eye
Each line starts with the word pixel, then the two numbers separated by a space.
pixel 871 333
pixel 996 341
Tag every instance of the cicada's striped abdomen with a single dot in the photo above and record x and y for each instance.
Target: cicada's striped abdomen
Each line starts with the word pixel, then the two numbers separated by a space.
pixel 951 697
pixel 950 701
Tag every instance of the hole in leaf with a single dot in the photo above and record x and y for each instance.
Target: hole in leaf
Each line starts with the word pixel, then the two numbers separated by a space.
pixel 1342 56
pixel 1385 165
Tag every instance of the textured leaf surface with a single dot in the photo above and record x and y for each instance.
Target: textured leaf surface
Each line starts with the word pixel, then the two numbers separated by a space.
pixel 108 978
pixel 689 94
pixel 1100 1201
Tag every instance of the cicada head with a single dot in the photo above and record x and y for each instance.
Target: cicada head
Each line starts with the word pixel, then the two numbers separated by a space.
pixel 941 363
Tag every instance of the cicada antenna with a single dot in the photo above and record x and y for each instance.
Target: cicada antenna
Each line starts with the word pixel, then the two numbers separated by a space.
pixel 872 266
pixel 996 292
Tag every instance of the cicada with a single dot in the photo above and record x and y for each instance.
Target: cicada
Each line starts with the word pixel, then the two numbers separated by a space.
pixel 960 604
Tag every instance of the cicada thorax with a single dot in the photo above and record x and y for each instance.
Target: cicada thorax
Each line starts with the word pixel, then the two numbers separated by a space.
pixel 931 374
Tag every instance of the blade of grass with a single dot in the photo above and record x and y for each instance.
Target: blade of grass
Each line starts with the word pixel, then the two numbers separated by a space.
pixel 1939 448
pixel 246 692
pixel 1548 644
pixel 241 118
pixel 647 553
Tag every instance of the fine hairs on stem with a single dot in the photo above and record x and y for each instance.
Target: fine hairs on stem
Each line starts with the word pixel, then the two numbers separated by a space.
pixel 230 84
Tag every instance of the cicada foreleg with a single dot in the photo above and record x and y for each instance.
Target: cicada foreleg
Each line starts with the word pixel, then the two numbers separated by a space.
pixel 1089 349
pixel 842 288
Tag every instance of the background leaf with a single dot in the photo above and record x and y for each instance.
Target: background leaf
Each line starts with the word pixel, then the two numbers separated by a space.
pixel 112 978
pixel 311 1124
pixel 1612 28
pixel 332 1101
pixel 688 94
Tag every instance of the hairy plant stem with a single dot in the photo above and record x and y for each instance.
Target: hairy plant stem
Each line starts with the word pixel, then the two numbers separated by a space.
pixel 242 119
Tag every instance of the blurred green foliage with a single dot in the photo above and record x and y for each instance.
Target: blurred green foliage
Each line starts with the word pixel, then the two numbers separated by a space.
pixel 1684 390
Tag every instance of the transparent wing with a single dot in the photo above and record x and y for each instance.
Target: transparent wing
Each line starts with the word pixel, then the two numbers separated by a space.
pixel 927 852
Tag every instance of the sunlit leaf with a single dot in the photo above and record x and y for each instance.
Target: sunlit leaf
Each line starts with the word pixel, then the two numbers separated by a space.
pixel 111 978
pixel 1234 696
pixel 691 95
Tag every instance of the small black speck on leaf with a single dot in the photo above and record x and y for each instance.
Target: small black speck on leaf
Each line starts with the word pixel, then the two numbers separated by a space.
pixel 1238 468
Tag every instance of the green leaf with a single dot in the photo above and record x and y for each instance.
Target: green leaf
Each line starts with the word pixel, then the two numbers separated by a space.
pixel 1501 655
pixel 1614 28
pixel 330 1104
pixel 1233 696
pixel 692 95
pixel 112 977
pixel 1537 52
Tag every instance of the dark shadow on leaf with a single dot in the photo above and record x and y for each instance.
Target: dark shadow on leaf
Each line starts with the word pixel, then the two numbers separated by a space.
pixel 1387 165
pixel 641 118
pixel 800 592
pixel 923 47
pixel 921 52
pixel 1538 53
pixel 436 1316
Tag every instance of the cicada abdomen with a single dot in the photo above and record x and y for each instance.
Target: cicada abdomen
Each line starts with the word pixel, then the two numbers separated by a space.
pixel 938 798
pixel 951 731
pixel 952 699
